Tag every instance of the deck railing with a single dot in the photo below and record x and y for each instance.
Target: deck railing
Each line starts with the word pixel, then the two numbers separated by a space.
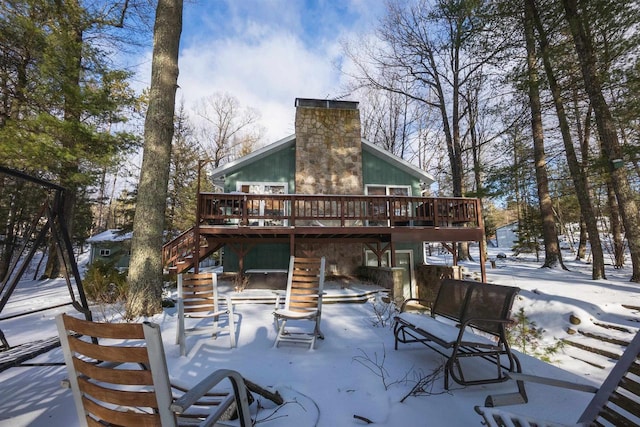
pixel 336 210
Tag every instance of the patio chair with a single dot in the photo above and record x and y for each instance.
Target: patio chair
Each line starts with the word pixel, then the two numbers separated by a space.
pixel 303 301
pixel 118 375
pixel 615 403
pixel 198 299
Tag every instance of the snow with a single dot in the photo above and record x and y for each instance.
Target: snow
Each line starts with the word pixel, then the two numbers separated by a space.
pixel 355 369
pixel 110 236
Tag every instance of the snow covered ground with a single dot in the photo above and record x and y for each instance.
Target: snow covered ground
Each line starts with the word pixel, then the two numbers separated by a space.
pixel 342 376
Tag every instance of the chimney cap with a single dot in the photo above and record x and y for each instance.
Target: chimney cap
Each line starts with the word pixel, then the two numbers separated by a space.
pixel 326 103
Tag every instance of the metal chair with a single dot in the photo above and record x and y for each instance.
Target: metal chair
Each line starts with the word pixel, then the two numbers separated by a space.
pixel 198 299
pixel 303 301
pixel 118 375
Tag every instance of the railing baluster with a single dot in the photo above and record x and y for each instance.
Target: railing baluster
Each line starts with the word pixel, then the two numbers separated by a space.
pixel 344 209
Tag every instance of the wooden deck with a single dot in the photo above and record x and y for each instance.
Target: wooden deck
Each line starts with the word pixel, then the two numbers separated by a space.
pixel 377 221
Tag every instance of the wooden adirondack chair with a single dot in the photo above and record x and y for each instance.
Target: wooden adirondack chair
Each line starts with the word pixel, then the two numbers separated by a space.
pixel 198 299
pixel 118 375
pixel 303 301
pixel 615 403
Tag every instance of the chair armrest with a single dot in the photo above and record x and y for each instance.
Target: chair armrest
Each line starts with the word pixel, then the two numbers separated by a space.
pixel 229 303
pixel 552 382
pixel 279 297
pixel 405 302
pixel 199 390
pixel 468 322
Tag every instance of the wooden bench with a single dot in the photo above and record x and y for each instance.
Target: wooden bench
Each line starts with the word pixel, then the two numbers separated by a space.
pixel 467 319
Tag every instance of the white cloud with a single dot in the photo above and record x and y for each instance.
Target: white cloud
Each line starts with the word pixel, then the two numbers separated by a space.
pixel 267 76
pixel 266 54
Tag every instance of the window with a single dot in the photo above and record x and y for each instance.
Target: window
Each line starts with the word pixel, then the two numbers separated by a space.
pixel 388 190
pixel 379 210
pixel 266 207
pixel 371 260
pixel 105 252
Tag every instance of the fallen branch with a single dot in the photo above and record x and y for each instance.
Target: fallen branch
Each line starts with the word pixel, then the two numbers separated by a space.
pixel 361 418
pixel 274 397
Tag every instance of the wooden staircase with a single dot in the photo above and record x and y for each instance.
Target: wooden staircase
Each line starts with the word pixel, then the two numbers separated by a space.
pixel 178 254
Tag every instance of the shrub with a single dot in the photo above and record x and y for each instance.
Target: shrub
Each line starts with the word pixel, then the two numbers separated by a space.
pixel 526 337
pixel 104 284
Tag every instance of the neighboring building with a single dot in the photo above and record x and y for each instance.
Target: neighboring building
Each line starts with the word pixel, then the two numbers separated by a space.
pixel 112 246
pixel 506 235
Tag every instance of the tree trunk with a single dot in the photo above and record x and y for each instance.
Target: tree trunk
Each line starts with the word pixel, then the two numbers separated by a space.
pixel 607 130
pixel 145 268
pixel 582 244
pixel 615 227
pixel 577 172
pixel 553 256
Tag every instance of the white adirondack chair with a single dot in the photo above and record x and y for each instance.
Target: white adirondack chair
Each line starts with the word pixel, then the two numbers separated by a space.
pixel 118 375
pixel 303 301
pixel 198 299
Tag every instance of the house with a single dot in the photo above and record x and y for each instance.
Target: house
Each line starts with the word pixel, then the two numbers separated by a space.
pixel 111 246
pixel 323 191
pixel 506 235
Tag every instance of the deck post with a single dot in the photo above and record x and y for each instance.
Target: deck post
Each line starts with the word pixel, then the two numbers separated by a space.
pixel 481 242
pixel 196 228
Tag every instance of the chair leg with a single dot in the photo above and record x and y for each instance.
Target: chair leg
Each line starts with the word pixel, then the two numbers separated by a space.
pixel 317 330
pixel 180 335
pixel 282 323
pixel 232 329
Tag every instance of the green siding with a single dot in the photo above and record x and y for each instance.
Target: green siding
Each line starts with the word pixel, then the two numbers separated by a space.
pixel 280 167
pixel 377 171
pixel 119 253
pixel 277 167
pixel 267 256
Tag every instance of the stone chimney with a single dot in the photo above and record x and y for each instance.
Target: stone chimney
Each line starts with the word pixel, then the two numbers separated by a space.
pixel 328 147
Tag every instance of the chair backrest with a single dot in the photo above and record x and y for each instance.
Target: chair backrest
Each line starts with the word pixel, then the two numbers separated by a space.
pixel 490 302
pixel 305 284
pixel 452 298
pixel 117 372
pixel 618 399
pixel 198 293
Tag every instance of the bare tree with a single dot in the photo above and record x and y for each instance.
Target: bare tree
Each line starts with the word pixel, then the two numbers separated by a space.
pixel 145 267
pixel 226 130
pixel 429 53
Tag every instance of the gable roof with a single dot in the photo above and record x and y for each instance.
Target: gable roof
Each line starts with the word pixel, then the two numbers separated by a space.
pixel 111 235
pixel 290 141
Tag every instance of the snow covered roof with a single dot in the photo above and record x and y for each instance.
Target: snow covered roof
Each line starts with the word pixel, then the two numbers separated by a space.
pixel 110 236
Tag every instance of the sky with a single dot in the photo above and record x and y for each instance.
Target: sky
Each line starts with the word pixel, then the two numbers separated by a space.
pixel 355 369
pixel 267 53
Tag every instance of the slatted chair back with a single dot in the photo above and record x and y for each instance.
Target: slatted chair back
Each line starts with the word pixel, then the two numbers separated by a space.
pixel 137 393
pixel 199 294
pixel 617 401
pixel 305 284
pixel 198 299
